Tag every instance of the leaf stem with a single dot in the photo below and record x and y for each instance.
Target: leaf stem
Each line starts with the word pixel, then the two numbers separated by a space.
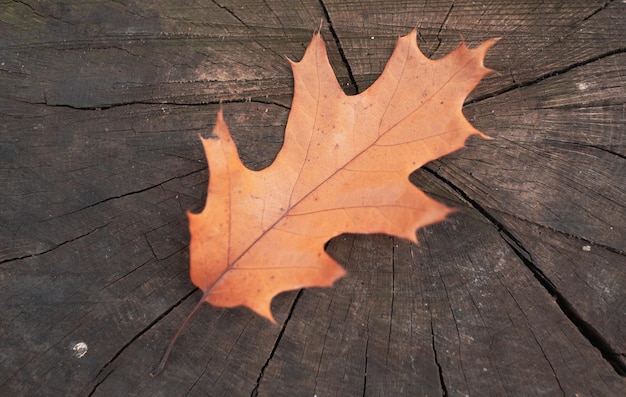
pixel 166 355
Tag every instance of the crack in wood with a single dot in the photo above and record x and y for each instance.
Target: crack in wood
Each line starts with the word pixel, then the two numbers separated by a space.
pixel 599 9
pixel 228 10
pixel 449 300
pixel 255 390
pixel 552 229
pixel 158 103
pixel 269 7
pixel 36 254
pixel 145 236
pixel 393 297
pixel 342 54
pixel 602 149
pixel 100 378
pixel 319 362
pixel 442 382
pixel 367 343
pixel 128 273
pixel 553 73
pixel 123 195
pixel 588 331
pixel 541 349
pixel 437 37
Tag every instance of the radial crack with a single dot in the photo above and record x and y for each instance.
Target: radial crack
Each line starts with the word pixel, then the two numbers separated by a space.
pixel 129 193
pixel 588 331
pixel 103 374
pixel 367 342
pixel 255 391
pixel 599 9
pixel 444 389
pixel 112 105
pixel 344 59
pixel 228 10
pixel 56 246
pixel 544 76
pixel 443 23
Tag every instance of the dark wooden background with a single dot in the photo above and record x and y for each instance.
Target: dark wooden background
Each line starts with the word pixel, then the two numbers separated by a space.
pixel 521 292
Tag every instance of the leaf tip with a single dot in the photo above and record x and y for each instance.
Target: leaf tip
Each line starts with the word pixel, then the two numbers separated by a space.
pixel 319 28
pixel 492 41
pixel 220 129
pixel 220 116
pixel 485 136
pixel 485 46
pixel 317 39
pixel 264 309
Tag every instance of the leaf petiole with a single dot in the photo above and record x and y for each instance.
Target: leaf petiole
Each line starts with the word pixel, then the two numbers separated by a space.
pixel 166 355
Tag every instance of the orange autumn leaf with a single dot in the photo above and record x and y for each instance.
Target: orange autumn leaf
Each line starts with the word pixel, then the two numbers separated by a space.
pixel 343 168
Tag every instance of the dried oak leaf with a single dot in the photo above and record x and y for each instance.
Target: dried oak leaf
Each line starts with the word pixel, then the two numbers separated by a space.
pixel 343 168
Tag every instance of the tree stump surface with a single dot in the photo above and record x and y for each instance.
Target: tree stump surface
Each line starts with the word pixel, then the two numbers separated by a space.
pixel 520 292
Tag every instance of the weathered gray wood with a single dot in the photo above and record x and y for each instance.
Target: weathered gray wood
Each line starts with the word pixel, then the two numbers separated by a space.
pixel 548 38
pixel 163 53
pixel 559 191
pixel 519 293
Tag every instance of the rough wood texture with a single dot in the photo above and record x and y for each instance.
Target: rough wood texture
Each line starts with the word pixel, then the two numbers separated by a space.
pixel 522 292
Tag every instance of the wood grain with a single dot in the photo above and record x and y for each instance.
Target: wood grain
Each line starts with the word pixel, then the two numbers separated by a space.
pixel 521 292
